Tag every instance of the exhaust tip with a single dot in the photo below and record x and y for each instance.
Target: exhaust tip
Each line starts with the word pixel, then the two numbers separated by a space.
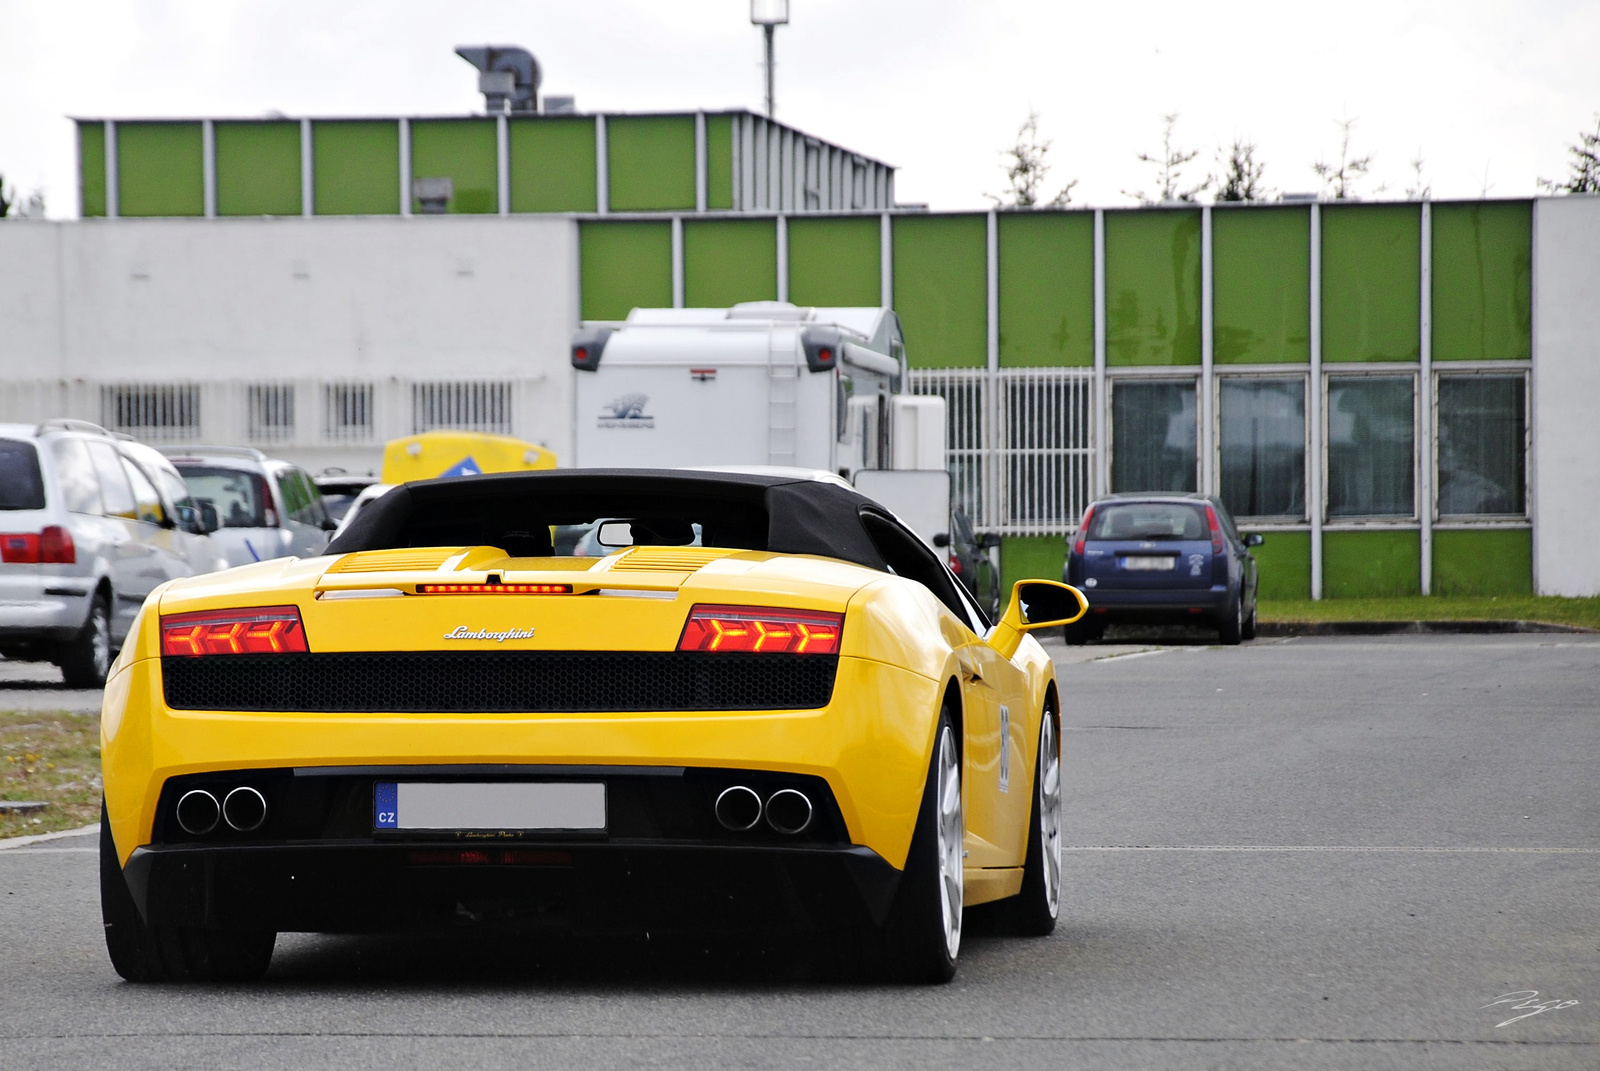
pixel 738 808
pixel 197 812
pixel 788 811
pixel 244 809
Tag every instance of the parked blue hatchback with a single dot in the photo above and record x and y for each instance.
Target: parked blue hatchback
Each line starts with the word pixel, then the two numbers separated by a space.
pixel 1163 559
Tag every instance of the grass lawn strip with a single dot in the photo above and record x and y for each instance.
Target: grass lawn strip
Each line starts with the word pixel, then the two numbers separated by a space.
pixel 1548 609
pixel 53 756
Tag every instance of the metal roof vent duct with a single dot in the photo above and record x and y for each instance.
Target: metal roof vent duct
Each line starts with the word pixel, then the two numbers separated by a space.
pixel 508 77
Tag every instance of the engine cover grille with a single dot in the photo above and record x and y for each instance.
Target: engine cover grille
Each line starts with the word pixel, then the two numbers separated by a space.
pixel 489 682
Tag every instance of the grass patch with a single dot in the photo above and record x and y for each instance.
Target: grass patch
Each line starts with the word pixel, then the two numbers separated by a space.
pixel 52 756
pixel 1549 609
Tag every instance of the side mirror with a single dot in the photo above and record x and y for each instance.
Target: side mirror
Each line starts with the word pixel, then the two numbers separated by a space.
pixel 941 539
pixel 1254 539
pixel 209 521
pixel 1036 604
pixel 329 524
pixel 988 541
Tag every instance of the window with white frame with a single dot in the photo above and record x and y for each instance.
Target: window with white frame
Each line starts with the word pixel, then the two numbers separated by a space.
pixel 154 412
pixel 1261 437
pixel 1483 445
pixel 1371 453
pixel 269 412
pixel 461 406
pixel 1153 435
pixel 347 412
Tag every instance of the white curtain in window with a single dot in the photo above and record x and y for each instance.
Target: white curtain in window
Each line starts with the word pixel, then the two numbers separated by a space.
pixel 1153 435
pixel 1262 429
pixel 1482 442
pixel 1370 455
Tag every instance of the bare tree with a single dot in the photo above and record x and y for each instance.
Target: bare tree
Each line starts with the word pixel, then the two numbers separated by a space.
pixel 1584 176
pixel 1339 180
pixel 1026 166
pixel 1169 169
pixel 1420 188
pixel 5 201
pixel 1241 173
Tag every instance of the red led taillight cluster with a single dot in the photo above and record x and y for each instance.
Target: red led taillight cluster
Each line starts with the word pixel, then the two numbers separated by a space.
pixel 250 630
pixel 761 630
pixel 494 589
pixel 52 546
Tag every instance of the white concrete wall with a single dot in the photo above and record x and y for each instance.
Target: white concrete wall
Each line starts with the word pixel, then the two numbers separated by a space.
pixel 258 300
pixel 1566 395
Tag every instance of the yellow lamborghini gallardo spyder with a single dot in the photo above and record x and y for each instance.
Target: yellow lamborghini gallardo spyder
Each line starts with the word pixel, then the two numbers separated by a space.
pixel 594 700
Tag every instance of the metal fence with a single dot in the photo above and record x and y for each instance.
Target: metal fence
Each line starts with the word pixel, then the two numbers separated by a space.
pixel 1020 445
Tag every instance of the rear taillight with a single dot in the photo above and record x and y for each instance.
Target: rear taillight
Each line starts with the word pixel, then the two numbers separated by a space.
pixel 955 565
pixel 53 546
pixel 494 589
pixel 251 630
pixel 1083 531
pixel 761 630
pixel 1216 530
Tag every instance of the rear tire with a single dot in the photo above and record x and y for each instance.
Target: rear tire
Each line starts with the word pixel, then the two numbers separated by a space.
pixel 1248 629
pixel 1231 628
pixel 86 660
pixel 144 953
pixel 922 936
pixel 1081 632
pixel 1033 911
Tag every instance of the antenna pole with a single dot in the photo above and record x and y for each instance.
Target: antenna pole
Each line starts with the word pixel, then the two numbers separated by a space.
pixel 767 29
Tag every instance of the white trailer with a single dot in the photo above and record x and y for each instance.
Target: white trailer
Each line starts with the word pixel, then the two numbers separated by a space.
pixel 762 383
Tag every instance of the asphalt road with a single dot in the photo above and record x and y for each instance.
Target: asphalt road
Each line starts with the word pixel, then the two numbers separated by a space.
pixel 1299 854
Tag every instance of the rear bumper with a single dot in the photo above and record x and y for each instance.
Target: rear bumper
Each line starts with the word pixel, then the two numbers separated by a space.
pixel 43 609
pixel 627 887
pixel 1112 604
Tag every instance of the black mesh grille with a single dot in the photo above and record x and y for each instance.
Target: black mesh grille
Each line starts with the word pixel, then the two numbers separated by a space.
pixel 495 682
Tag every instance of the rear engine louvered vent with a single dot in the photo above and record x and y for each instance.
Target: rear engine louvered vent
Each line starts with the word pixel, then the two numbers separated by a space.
pixel 666 559
pixel 393 561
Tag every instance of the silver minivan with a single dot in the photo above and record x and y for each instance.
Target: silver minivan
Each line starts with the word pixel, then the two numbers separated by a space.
pixel 266 508
pixel 90 524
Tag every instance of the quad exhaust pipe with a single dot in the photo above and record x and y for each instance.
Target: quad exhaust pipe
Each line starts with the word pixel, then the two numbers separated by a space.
pixel 244 810
pixel 739 808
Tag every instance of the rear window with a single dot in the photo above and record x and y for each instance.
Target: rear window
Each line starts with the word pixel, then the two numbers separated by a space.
pixel 1148 521
pixel 21 486
pixel 241 499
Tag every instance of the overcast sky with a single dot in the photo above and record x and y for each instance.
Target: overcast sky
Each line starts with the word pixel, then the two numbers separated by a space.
pixel 1489 92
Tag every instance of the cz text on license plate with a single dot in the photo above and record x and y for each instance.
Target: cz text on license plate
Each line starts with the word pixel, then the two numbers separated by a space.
pixel 1150 562
pixel 561 806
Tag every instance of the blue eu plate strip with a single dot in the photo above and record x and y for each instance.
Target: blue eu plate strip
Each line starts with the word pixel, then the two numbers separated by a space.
pixel 385 805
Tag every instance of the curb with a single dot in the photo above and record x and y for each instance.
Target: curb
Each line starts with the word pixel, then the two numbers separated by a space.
pixel 1401 628
pixel 17 842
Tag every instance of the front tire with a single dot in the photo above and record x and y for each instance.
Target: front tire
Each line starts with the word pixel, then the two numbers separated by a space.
pixel 923 934
pixel 143 953
pixel 1034 910
pixel 86 660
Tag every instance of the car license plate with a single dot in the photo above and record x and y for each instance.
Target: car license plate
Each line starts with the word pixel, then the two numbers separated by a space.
pixel 1150 563
pixel 564 806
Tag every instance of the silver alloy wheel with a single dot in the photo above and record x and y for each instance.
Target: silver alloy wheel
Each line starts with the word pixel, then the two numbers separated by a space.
pixel 951 828
pixel 100 639
pixel 1050 812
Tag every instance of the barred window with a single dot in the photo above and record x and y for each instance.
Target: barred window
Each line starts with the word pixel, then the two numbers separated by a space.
pixel 461 406
pixel 347 411
pixel 269 410
pixel 1483 443
pixel 152 412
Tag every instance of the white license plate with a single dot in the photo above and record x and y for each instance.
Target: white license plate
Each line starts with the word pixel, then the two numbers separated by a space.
pixel 1150 563
pixel 502 805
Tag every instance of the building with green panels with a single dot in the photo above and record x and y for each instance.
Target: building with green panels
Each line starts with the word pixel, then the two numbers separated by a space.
pixel 1352 378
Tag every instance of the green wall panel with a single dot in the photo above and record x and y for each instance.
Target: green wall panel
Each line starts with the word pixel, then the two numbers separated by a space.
pixel 258 169
pixel 356 167
pixel 1283 565
pixel 624 265
pixel 1371 279
pixel 719 161
pixel 651 162
pixel 1152 287
pixel 160 170
pixel 1482 293
pixel 729 260
pixel 1497 561
pixel 835 261
pixel 1374 563
pixel 1046 288
pixel 92 169
pixel 1029 558
pixel 553 165
pixel 1261 271
pixel 464 151
pixel 941 286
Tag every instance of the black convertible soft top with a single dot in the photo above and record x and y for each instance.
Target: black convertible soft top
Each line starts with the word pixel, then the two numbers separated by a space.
pixel 515 511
